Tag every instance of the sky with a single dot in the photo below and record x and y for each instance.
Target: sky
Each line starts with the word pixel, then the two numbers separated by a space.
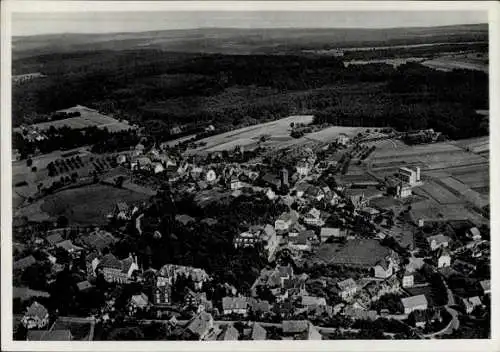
pixel 25 23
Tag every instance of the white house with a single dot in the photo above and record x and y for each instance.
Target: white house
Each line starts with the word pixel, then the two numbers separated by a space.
pixel 413 303
pixel 438 241
pixel 342 139
pixel 443 258
pixel 383 269
pixel 348 288
pixel 303 168
pixel 408 279
pixel 158 167
pixel 474 234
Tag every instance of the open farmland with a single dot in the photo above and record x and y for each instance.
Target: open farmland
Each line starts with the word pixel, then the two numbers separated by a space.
pixel 249 136
pixel 466 61
pixel 437 192
pixel 480 145
pixel 85 205
pixel 88 117
pixel 329 134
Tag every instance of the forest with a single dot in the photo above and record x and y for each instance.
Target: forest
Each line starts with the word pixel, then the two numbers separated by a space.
pixel 159 90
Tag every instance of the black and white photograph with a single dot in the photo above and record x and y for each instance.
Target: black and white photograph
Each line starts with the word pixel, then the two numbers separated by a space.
pixel 247 175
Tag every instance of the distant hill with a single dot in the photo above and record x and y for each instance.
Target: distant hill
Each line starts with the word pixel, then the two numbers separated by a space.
pixel 246 41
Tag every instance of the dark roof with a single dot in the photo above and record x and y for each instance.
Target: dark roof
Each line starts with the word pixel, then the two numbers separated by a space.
pixel 83 285
pixel 258 332
pixel 110 261
pixel 228 333
pixel 199 324
pixel 295 326
pixel 99 240
pixel 234 303
pixel 24 263
pixel 54 239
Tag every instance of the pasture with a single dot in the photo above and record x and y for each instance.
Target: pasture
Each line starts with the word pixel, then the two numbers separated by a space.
pixel 83 206
pixel 250 136
pixel 88 117
pixel 330 134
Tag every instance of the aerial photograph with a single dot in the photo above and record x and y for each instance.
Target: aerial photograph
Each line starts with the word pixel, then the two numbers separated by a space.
pixel 250 175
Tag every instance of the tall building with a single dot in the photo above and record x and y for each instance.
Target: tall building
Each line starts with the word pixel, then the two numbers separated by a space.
pixel 409 176
pixel 284 177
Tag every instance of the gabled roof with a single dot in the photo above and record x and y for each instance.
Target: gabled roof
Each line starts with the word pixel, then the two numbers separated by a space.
pixel 122 206
pixel 347 284
pixel 414 301
pixel 83 285
pixel 54 239
pixel 24 263
pixel 68 246
pixel 140 300
pixel 228 333
pixel 258 332
pixel 294 326
pixel 485 285
pixel 234 303
pixel 200 324
pixel 329 231
pixel 439 239
pixel 110 261
pixel 311 300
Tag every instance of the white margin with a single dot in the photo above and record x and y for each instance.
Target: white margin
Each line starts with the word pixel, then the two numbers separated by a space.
pixel 9 6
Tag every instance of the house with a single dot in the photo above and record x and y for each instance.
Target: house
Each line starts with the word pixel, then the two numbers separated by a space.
pixel 54 239
pixel 69 247
pixel 141 163
pixel 49 335
pixel 443 258
pixel 474 234
pixel 248 238
pixel 121 159
pixel 437 241
pixel 299 330
pixel 161 295
pixel 408 279
pixel 173 271
pixel 184 219
pixel 157 167
pixel 409 176
pixel 302 242
pixel 235 305
pixel 115 270
pixel 236 183
pixel 121 211
pixel 91 262
pixel 329 232
pixel 356 196
pixel 99 240
pixel 259 307
pixel 469 304
pixel 256 332
pixel 403 190
pixel 342 139
pixel 200 326
pixel 84 286
pixel 24 263
pixel 313 217
pixel 286 221
pixel 383 269
pixel 138 302
pixel 229 333
pixel 303 168
pixel 485 286
pixel 196 300
pixel 271 241
pixel 348 288
pixel 413 303
pixel 36 316
pixel 301 188
pixel 359 313
pixel 312 301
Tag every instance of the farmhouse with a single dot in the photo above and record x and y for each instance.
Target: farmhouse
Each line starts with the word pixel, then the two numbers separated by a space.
pixel 115 270
pixel 438 241
pixel 200 326
pixel 412 177
pixel 413 303
pixel 300 330
pixel 235 305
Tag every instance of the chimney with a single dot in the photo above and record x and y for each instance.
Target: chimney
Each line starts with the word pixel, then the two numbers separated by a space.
pixel 418 174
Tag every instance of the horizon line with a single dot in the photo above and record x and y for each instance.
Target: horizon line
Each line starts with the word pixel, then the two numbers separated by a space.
pixel 249 28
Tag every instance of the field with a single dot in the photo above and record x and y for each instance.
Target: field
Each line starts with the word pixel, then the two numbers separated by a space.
pixel 467 61
pixel 278 131
pixel 88 118
pixel 330 134
pixel 84 206
pixel 22 173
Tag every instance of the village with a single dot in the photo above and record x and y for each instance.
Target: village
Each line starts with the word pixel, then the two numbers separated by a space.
pixel 340 258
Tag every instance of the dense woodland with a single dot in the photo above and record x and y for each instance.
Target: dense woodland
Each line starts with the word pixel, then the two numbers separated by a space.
pixel 160 90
